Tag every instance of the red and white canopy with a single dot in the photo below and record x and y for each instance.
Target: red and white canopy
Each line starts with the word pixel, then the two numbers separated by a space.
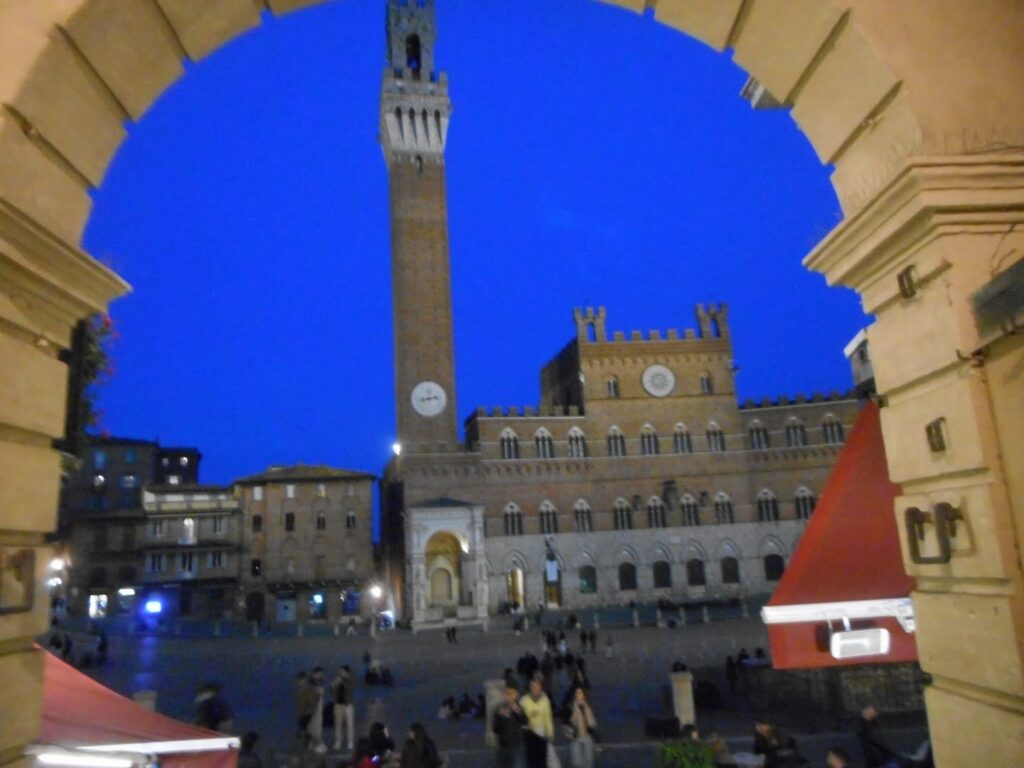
pixel 80 716
pixel 847 572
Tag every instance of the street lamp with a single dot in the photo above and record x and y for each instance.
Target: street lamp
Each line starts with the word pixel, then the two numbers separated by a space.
pixel 376 592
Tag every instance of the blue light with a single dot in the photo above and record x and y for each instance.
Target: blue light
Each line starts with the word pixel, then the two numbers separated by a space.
pixel 154 606
pixel 318 598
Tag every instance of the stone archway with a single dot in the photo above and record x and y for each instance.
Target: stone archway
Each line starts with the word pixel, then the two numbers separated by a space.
pixel 443 559
pixel 916 104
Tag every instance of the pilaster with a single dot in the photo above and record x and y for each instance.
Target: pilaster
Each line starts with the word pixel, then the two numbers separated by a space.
pixel 918 254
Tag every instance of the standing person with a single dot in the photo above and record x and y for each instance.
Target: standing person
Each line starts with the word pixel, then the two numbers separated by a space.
pixel 593 640
pixel 877 752
pixel 419 750
pixel 540 724
pixel 316 720
pixel 247 757
pixel 584 726
pixel 609 648
pixel 508 726
pixel 305 703
pixel 381 745
pixel 583 640
pixel 344 708
pixel 731 675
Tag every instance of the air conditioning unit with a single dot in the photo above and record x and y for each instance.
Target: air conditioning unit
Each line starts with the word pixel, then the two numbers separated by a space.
pixel 854 644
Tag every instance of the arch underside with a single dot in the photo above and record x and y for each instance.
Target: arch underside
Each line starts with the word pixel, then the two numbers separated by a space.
pixel 918 107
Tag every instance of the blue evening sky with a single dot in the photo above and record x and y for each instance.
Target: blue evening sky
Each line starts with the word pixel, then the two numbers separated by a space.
pixel 594 157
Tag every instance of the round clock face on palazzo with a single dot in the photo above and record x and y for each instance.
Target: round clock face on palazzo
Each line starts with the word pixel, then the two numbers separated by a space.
pixel 429 398
pixel 658 380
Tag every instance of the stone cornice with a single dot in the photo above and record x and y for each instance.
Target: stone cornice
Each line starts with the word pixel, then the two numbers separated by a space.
pixel 928 192
pixel 65 279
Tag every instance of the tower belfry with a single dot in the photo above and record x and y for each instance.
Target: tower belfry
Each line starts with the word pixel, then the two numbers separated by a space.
pixel 414 114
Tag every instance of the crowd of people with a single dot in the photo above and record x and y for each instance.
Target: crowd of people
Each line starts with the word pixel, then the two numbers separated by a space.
pixel 547 698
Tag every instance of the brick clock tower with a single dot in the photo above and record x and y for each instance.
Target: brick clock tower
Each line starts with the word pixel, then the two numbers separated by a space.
pixel 414 114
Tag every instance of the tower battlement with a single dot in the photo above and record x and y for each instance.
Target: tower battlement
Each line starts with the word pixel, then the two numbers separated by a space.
pixel 414 106
pixel 712 323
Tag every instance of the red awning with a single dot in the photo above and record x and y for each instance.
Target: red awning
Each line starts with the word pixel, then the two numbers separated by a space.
pixel 79 713
pixel 848 563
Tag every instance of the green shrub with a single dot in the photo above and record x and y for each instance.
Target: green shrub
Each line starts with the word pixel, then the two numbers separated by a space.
pixel 685 754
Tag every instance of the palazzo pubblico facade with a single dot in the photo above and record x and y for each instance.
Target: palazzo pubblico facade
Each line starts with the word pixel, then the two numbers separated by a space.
pixel 637 477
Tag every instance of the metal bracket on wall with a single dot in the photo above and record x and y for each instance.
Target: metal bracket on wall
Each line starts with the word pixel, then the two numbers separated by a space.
pixel 944 517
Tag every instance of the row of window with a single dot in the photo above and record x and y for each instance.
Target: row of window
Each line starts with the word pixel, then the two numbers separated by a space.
pixel 158 528
pixel 623 511
pixel 187 561
pixel 696 575
pixel 321 521
pixel 289 491
pixel 650 443
pixel 319 566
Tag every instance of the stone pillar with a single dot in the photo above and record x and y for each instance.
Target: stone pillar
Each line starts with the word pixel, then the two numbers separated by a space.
pixel 659 619
pixel 682 698
pixel 952 386
pixel 682 616
pixel 46 287
pixel 706 614
pixel 636 617
pixel 494 695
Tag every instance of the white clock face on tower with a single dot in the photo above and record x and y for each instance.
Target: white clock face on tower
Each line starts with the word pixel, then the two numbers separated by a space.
pixel 429 398
pixel 658 380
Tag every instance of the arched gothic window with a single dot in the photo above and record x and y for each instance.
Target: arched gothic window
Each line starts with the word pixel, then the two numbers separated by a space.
pixel 577 443
pixel 767 507
pixel 832 430
pixel 730 570
pixel 548 518
pixel 759 438
pixel 616 442
pixel 413 58
pixel 706 384
pixel 627 577
pixel 588 580
pixel 509 441
pixel 804 502
pixel 655 512
pixel 774 567
pixel 649 445
pixel 716 438
pixel 662 575
pixel 681 441
pixel 583 517
pixel 321 521
pixel 513 520
pixel 623 515
pixel 690 509
pixel 544 444
pixel 695 572
pixel 723 509
pixel 611 386
pixel 796 433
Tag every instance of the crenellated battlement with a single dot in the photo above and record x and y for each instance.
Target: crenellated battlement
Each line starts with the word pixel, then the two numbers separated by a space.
pixel 712 323
pixel 785 401
pixel 525 412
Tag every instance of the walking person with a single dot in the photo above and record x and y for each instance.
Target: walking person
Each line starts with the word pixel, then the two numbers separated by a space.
pixel 508 726
pixel 584 726
pixel 540 724
pixel 592 635
pixel 344 708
